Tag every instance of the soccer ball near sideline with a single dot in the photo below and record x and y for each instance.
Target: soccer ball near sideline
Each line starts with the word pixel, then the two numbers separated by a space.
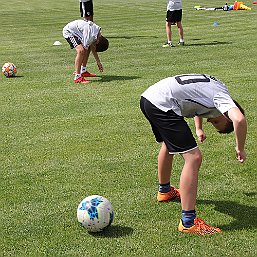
pixel 95 213
pixel 9 70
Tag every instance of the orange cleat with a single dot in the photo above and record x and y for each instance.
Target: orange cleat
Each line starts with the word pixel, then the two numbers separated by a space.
pixel 172 195
pixel 199 228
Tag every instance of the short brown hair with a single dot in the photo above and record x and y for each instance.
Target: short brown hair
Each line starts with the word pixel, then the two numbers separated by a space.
pixel 102 45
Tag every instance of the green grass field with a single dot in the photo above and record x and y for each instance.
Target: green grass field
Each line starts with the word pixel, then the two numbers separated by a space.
pixel 61 142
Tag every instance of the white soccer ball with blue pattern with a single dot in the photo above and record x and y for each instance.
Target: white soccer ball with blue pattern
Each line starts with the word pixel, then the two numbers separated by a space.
pixel 95 213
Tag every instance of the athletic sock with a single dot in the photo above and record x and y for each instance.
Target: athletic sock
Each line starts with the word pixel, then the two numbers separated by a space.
pixel 181 40
pixel 83 69
pixel 164 188
pixel 188 218
pixel 77 76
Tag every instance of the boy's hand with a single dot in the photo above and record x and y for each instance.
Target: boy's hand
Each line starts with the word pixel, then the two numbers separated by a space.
pixel 201 135
pixel 240 155
pixel 198 128
pixel 100 66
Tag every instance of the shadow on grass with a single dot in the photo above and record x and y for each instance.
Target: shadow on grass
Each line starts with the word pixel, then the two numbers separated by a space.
pixel 213 43
pixel 244 216
pixel 15 77
pixel 108 78
pixel 114 232
pixel 131 37
pixel 251 194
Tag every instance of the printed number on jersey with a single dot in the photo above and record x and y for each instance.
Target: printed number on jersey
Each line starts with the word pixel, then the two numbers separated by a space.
pixel 193 78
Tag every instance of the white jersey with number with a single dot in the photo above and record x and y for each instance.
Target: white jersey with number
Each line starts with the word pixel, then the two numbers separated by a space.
pixel 191 95
pixel 86 31
pixel 173 5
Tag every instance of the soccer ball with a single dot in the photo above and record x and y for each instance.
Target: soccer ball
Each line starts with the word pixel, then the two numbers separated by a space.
pixel 9 69
pixel 95 213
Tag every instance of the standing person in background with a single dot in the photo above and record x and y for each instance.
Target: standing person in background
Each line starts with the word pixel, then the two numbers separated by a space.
pixel 87 13
pixel 86 9
pixel 174 16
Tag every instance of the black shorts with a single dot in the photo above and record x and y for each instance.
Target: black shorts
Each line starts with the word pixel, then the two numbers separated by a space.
pixel 73 41
pixel 174 16
pixel 168 127
pixel 86 9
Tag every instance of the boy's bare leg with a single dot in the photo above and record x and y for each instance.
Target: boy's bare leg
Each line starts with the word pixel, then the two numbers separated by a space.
pixel 86 56
pixel 180 31
pixel 164 165
pixel 189 179
pixel 79 58
pixel 168 31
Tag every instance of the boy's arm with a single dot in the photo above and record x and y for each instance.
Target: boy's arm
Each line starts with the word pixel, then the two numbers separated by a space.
pixel 98 62
pixel 240 129
pixel 198 128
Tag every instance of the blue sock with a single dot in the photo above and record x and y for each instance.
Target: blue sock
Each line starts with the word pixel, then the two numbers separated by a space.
pixel 188 218
pixel 164 188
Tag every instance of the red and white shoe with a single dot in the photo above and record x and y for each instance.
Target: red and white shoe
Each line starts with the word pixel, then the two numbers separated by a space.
pixel 81 80
pixel 88 74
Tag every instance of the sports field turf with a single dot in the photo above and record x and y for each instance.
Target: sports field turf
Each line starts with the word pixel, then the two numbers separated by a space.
pixel 60 142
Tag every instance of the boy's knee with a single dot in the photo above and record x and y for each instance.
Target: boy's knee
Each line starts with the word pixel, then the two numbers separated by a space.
pixel 179 24
pixel 81 50
pixel 198 157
